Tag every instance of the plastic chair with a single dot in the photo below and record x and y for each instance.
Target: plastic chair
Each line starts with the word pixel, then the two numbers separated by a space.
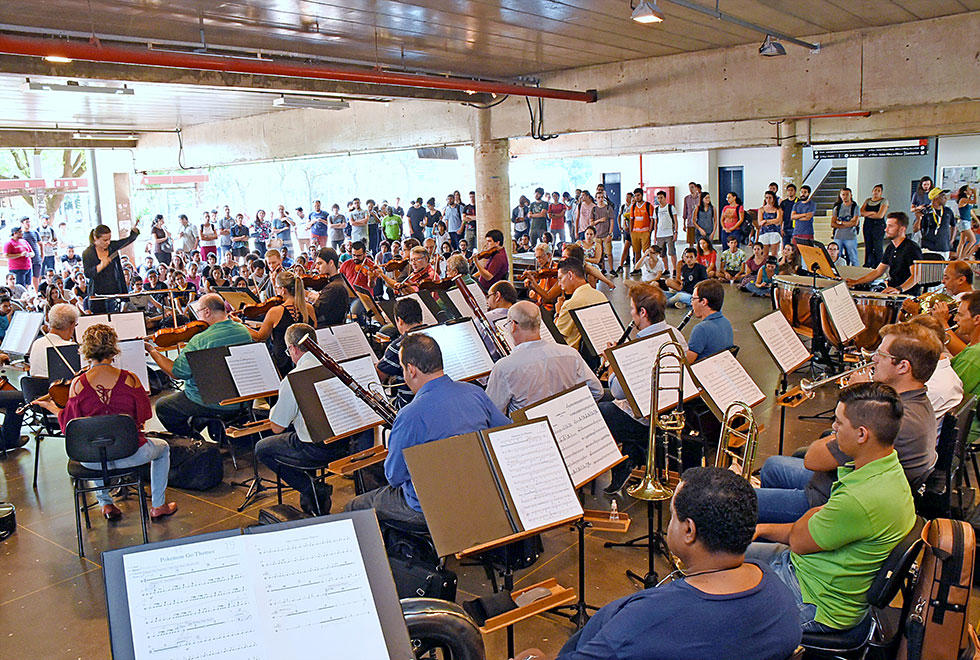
pixel 101 439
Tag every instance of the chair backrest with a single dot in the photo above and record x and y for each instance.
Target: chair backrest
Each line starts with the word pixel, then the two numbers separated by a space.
pixel 90 439
pixel 33 387
pixel 895 570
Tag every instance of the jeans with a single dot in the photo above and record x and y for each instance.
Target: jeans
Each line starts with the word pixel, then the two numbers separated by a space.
pixel 288 445
pixel 559 234
pixel 157 454
pixel 538 227
pixel 10 400
pixel 761 291
pixel 222 251
pixel 776 555
pixel 388 503
pixel 782 497
pixel 22 275
pixel 175 411
pixel 849 248
pixel 680 297
pixel 374 238
pixel 47 263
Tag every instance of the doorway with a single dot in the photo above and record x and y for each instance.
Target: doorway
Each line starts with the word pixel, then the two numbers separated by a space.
pixel 730 180
pixel 612 183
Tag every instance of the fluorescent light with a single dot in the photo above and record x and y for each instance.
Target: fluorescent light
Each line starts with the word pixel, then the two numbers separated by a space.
pixel 58 59
pixel 310 102
pixel 771 48
pixel 73 86
pixel 104 136
pixel 647 12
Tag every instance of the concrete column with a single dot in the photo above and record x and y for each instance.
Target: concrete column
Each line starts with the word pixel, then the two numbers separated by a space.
pixel 491 160
pixel 112 171
pixel 790 158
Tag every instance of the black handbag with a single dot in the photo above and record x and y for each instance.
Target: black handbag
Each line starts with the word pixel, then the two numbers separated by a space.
pixel 194 464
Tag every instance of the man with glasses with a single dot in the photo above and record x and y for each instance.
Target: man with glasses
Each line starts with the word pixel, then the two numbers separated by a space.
pixel 421 271
pixel 571 279
pixel 905 360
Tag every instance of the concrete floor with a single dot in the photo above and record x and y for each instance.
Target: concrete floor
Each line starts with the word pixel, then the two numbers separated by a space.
pixel 52 603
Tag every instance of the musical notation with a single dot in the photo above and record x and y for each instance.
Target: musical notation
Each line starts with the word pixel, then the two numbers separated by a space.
pixel 781 341
pixel 252 369
pixel 535 474
pixel 584 440
pixel 254 597
pixel 464 355
pixel 132 357
pixel 842 311
pixel 600 325
pixel 345 412
pixel 725 381
pixel 635 360
pixel 344 342
pixel 428 317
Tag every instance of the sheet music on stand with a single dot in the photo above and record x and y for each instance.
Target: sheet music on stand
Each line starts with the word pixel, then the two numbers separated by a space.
pixel 598 325
pixel 344 412
pixel 724 381
pixel 58 356
pixel 275 591
pixel 343 342
pixel 633 364
pixel 252 369
pixel 128 325
pixel 464 355
pixel 586 445
pixel 502 326
pixel 815 258
pixel 842 311
pixel 782 342
pixel 428 317
pixel 132 357
pixel 21 332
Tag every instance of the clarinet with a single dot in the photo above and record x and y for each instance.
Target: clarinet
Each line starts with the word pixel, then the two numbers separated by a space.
pixel 375 402
pixel 492 331
pixel 686 320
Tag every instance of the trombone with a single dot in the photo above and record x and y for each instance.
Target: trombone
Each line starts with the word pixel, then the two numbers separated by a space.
pixel 738 436
pixel 651 488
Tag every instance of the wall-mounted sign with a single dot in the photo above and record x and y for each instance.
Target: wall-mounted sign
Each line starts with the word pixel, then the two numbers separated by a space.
pixel 876 149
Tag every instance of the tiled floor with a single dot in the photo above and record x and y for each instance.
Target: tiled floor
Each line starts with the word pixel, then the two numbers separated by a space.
pixel 52 604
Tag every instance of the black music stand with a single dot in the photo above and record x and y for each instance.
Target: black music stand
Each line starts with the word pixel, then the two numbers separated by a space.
pixel 655 541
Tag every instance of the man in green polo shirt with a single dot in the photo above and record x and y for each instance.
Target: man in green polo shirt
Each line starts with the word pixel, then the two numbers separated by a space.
pixel 966 361
pixel 830 556
pixel 175 410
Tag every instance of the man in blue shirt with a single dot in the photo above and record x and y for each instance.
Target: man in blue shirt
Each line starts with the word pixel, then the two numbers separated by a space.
pixel 714 332
pixel 442 408
pixel 802 215
pixel 720 606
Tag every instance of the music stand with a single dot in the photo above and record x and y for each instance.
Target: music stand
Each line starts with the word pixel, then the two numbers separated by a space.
pixel 815 259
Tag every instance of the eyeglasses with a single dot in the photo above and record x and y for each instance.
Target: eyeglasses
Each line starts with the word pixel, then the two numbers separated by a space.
pixel 882 354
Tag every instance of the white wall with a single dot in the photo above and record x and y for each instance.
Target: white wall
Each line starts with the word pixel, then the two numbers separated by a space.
pixel 760 168
pixel 960 151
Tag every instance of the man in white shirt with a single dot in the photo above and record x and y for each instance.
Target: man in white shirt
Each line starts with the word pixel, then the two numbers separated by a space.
pixel 61 320
pixel 536 368
pixel 944 388
pixel 665 230
pixel 297 445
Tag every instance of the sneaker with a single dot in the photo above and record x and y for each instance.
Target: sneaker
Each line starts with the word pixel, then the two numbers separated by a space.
pixel 618 480
pixel 635 271
pixel 679 305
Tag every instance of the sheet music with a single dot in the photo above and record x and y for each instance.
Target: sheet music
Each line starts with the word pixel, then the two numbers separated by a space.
pixel 255 596
pixel 505 332
pixel 725 381
pixel 21 332
pixel 351 338
pixel 535 474
pixel 784 344
pixel 129 325
pixel 85 321
pixel 132 357
pixel 344 411
pixel 601 325
pixel 427 317
pixel 584 440
pixel 842 311
pixel 481 298
pixel 464 354
pixel 330 345
pixel 636 360
pixel 252 369
pixel 459 302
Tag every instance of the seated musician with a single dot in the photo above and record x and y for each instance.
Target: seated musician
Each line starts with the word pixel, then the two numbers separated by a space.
pixel 274 266
pixel 492 268
pixel 421 271
pixel 62 319
pixel 105 390
pixel 957 282
pixel 830 556
pixel 293 439
pixel 11 399
pixel 647 305
pixel 175 410
pixel 714 332
pixel 571 278
pixel 500 297
pixel 898 259
pixel 535 369
pixel 944 388
pixel 543 290
pixel 458 266
pixel 441 409
pixel 721 606
pixel 966 362
pixel 408 316
pixel 332 302
pixel 294 309
pixel 905 360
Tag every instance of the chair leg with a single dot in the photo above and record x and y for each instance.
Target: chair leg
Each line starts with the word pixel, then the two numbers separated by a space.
pixel 144 514
pixel 278 488
pixel 88 522
pixel 78 518
pixel 37 455
pixel 316 498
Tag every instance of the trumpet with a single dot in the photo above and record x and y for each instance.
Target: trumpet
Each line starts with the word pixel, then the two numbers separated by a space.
pixel 651 488
pixel 808 386
pixel 734 437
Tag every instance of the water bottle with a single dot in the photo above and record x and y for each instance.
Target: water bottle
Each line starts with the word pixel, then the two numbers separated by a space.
pixel 614 511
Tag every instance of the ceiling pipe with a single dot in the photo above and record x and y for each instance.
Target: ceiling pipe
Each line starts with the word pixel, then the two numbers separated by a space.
pixel 116 55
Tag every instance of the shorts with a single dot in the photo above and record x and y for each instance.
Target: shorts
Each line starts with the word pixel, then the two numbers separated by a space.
pixel 36 268
pixel 964 225
pixel 770 238
pixel 666 245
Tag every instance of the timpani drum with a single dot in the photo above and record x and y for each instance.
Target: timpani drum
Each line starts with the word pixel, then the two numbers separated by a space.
pixel 792 295
pixel 876 309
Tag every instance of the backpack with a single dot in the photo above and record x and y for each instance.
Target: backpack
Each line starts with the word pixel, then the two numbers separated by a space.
pixel 936 627
pixel 194 464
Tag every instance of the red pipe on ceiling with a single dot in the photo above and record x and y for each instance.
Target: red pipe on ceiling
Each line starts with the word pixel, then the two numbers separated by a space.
pixel 93 52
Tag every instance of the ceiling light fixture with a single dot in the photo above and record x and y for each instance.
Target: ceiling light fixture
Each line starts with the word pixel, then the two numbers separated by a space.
pixel 310 102
pixel 771 48
pixel 58 59
pixel 647 11
pixel 74 86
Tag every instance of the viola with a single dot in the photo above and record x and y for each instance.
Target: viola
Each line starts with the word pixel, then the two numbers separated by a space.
pixel 167 337
pixel 395 264
pixel 488 253
pixel 315 282
pixel 257 311
pixel 58 391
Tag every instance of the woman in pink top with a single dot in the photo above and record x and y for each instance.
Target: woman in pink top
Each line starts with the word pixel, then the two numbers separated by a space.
pixel 19 253
pixel 583 217
pixel 106 390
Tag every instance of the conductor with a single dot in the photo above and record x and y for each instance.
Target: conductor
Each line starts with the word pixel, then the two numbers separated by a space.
pixel 103 269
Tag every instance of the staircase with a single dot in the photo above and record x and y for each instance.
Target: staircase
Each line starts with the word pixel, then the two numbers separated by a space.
pixel 826 196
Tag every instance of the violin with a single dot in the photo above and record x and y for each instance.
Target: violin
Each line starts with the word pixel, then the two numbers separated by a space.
pixel 257 311
pixel 395 265
pixel 486 254
pixel 315 282
pixel 167 337
pixel 543 273
pixel 432 285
